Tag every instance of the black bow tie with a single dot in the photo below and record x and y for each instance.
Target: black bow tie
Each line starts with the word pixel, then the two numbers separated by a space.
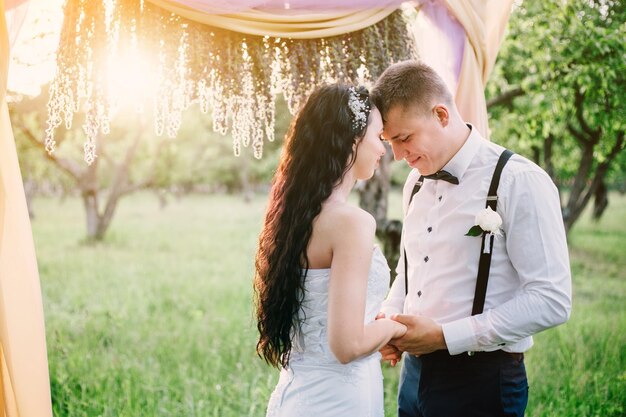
pixel 443 175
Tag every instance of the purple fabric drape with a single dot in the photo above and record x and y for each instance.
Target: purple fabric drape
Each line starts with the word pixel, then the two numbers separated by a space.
pixel 440 40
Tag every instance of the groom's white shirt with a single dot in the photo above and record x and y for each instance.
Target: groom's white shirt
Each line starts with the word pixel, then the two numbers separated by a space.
pixel 529 286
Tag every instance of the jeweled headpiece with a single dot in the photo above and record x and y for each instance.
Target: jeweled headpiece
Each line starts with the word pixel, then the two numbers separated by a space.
pixel 360 110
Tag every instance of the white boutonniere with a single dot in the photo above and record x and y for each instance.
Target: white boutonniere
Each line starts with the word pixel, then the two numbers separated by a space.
pixel 486 221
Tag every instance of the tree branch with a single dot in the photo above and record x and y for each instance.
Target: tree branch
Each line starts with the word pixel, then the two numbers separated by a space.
pixel 580 181
pixel 579 104
pixel 505 98
pixel 68 166
pixel 578 135
pixel 617 148
pixel 149 180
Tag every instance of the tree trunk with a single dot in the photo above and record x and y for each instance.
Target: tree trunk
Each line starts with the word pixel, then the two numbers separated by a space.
pixel 88 185
pixel 536 154
pixel 88 182
pixel 573 208
pixel 548 145
pixel 390 237
pixel 581 193
pixel 90 201
pixel 600 201
pixel 120 182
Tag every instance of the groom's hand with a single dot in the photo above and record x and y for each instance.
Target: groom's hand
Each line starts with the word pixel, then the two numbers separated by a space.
pixel 423 335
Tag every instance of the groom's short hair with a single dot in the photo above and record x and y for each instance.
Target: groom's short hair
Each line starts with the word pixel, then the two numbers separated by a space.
pixel 409 83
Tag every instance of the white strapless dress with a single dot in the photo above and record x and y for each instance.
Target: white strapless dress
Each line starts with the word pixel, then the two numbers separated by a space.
pixel 316 384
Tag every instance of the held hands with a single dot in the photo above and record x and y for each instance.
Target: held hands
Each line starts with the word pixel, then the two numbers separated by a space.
pixel 422 336
pixel 389 352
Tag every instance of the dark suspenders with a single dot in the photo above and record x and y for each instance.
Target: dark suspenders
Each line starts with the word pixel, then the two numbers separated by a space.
pixel 485 256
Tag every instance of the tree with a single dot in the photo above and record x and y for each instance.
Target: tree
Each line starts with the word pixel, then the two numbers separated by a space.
pixel 131 159
pixel 108 178
pixel 557 94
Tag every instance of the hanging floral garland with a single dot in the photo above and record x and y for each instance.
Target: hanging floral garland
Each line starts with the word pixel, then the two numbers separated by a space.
pixel 179 62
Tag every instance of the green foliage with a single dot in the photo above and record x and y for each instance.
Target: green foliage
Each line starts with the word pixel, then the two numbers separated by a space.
pixel 569 58
pixel 157 320
pixel 203 160
pixel 399 173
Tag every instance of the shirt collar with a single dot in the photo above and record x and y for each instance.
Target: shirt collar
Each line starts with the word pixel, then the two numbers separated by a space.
pixel 461 160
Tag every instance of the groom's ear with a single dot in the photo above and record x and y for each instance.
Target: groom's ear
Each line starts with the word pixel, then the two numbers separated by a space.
pixel 440 111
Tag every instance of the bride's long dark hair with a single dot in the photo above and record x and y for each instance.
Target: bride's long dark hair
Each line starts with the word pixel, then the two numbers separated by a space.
pixel 318 151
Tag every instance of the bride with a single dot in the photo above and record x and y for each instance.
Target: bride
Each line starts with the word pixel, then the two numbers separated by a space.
pixel 319 279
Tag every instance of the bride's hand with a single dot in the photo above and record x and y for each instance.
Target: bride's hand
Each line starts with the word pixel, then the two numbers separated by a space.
pixel 399 329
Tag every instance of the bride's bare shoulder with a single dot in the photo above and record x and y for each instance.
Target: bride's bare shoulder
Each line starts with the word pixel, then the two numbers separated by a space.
pixel 346 218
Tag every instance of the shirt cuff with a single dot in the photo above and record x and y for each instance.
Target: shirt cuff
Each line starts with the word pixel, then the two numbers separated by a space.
pixel 459 336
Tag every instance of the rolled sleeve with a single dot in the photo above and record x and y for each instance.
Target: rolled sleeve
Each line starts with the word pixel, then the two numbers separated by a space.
pixel 537 248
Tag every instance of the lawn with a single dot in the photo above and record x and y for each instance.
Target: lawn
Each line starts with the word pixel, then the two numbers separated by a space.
pixel 157 320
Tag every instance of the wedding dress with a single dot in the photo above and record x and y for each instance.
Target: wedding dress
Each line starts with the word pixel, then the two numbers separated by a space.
pixel 316 384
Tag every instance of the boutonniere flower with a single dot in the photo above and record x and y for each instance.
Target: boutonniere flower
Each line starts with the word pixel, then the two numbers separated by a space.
pixel 486 221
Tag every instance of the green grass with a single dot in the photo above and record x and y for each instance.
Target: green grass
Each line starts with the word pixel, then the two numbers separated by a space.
pixel 157 320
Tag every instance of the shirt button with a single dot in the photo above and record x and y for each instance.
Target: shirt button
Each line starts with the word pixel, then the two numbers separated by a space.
pixel 426 259
pixel 419 293
pixel 430 229
pixel 440 197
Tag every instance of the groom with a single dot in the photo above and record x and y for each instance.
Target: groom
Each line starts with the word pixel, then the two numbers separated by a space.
pixel 471 303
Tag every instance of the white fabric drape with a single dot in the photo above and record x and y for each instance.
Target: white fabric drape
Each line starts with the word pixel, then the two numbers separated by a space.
pixel 290 23
pixel 24 379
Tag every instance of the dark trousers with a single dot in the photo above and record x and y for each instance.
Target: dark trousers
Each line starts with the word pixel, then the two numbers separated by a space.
pixel 484 385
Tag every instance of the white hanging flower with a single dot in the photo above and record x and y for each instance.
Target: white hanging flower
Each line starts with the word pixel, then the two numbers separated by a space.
pixel 486 221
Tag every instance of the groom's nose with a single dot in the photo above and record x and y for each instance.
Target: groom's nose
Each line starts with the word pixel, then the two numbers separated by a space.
pixel 398 151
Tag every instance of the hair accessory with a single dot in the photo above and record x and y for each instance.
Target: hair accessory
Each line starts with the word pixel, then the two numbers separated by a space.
pixel 360 109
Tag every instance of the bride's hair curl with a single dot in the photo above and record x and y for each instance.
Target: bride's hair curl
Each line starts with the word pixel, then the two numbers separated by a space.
pixel 318 151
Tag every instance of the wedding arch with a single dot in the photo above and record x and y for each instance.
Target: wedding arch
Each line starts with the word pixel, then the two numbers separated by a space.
pixel 232 58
